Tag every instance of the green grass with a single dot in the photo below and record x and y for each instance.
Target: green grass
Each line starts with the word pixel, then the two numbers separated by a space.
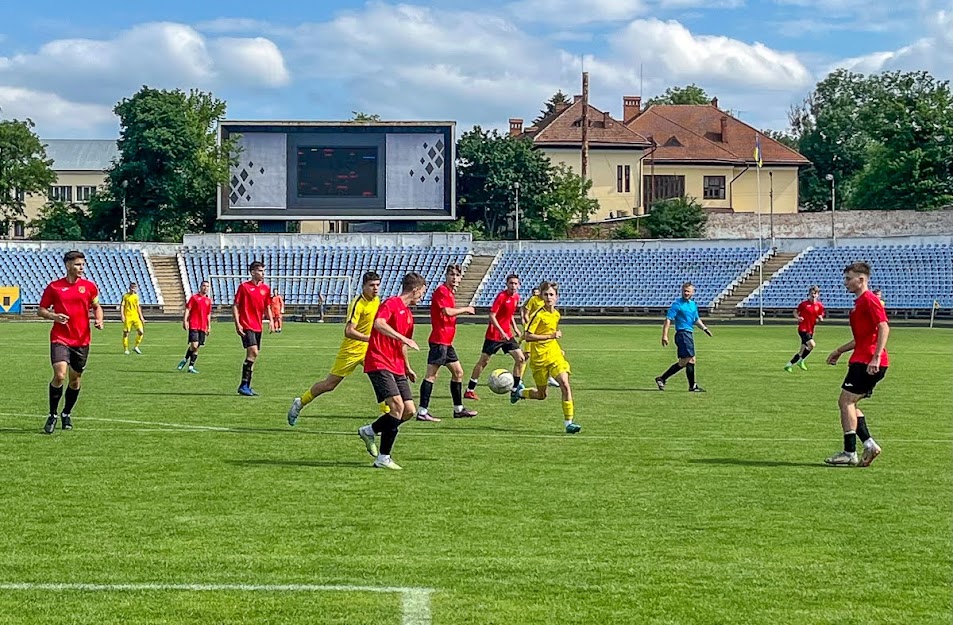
pixel 668 508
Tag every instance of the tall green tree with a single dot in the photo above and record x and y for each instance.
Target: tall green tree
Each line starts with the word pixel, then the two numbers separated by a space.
pixel 689 94
pixel 24 167
pixel 169 166
pixel 559 98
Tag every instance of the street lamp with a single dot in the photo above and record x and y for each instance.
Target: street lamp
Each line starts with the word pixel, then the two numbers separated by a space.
pixel 125 185
pixel 516 186
pixel 830 178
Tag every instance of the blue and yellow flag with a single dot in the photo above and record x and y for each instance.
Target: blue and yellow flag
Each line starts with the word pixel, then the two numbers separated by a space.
pixel 936 304
pixel 757 151
pixel 10 300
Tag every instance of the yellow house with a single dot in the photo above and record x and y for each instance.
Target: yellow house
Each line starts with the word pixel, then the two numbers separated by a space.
pixel 703 152
pixel 615 154
pixel 80 166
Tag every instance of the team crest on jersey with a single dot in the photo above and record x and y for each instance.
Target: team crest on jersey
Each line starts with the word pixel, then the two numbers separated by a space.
pixel 82 289
pixel 262 290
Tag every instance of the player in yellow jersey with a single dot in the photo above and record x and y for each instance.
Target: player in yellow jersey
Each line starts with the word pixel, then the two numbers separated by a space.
pixel 131 313
pixel 532 305
pixel 357 330
pixel 546 358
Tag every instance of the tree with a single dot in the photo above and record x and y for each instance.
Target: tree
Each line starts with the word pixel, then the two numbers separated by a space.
pixel 676 218
pixel 24 167
pixel 559 98
pixel 568 202
pixel 59 221
pixel 886 139
pixel 360 116
pixel 690 94
pixel 170 162
pixel 488 166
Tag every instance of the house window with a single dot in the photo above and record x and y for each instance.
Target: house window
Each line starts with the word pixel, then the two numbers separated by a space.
pixel 84 194
pixel 623 176
pixel 657 188
pixel 714 188
pixel 61 193
pixel 19 229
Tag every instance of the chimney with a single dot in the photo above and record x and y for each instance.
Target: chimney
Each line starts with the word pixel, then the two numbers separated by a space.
pixel 724 129
pixel 516 127
pixel 606 120
pixel 714 102
pixel 562 106
pixel 576 98
pixel 631 108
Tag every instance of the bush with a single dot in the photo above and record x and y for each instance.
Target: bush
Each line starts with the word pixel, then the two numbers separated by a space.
pixel 676 218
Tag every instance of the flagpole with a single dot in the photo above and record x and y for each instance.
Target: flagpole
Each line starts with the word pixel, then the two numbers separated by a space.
pixel 933 312
pixel 761 249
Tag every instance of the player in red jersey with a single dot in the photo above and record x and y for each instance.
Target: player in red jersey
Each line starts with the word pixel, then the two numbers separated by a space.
pixel 251 305
pixel 443 319
pixel 66 302
pixel 867 366
pixel 501 334
pixel 197 321
pixel 387 366
pixel 808 313
pixel 277 304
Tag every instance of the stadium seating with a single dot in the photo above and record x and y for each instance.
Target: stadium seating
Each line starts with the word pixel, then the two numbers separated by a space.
pixel 320 270
pixel 648 278
pixel 111 270
pixel 911 276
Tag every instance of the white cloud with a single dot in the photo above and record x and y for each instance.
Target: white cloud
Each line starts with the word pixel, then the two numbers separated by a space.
pixel 575 12
pixel 53 114
pixel 932 53
pixel 161 54
pixel 672 50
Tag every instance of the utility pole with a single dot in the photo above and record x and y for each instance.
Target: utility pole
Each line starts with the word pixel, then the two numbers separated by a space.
pixel 585 125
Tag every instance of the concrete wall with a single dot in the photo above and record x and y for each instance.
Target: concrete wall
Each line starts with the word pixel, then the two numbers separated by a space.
pixel 351 239
pixel 870 224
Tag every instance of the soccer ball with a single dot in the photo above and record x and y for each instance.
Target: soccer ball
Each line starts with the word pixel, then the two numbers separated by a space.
pixel 501 381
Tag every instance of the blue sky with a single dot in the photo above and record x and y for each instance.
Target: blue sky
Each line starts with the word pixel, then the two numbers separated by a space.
pixel 66 64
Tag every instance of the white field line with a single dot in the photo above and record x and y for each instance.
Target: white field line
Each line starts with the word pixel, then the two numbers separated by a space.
pixel 185 428
pixel 415 602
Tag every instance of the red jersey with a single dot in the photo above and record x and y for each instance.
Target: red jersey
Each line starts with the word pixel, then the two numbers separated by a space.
pixel 200 306
pixel 444 327
pixel 251 300
pixel 383 352
pixel 504 307
pixel 72 299
pixel 868 312
pixel 277 304
pixel 809 312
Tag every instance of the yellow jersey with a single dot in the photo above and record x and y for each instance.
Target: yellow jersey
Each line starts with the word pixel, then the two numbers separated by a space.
pixel 546 352
pixel 361 312
pixel 130 306
pixel 533 304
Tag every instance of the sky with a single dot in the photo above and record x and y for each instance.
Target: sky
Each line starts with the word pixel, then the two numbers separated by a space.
pixel 65 64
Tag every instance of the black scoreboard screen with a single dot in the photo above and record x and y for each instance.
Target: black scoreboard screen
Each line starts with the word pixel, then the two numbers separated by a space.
pixel 299 170
pixel 337 171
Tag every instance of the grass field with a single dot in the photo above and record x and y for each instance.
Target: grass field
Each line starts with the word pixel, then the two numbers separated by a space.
pixel 668 508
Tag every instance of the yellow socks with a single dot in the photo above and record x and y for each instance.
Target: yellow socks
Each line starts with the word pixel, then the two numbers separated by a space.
pixel 307 398
pixel 138 339
pixel 125 343
pixel 568 410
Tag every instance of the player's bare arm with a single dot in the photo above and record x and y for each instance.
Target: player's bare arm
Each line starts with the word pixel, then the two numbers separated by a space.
pixel 701 324
pixel 411 374
pixel 185 319
pixel 97 315
pixel 271 319
pixel 46 313
pixel 883 331
pixel 456 312
pixel 665 328
pixel 238 325
pixel 350 331
pixel 843 349
pixel 499 328
pixel 384 328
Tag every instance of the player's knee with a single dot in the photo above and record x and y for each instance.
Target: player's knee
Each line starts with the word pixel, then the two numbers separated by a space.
pixel 541 392
pixel 58 378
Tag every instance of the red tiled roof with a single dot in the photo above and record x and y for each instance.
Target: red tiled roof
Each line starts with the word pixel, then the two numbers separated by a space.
pixel 565 128
pixel 693 133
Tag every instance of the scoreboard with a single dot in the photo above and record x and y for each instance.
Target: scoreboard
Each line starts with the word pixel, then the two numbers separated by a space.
pixel 339 171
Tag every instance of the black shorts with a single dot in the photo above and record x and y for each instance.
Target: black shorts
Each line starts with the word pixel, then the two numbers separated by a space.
pixel 685 343
pixel 859 382
pixel 805 336
pixel 251 339
pixel 388 384
pixel 75 356
pixel 441 355
pixel 490 346
pixel 197 336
